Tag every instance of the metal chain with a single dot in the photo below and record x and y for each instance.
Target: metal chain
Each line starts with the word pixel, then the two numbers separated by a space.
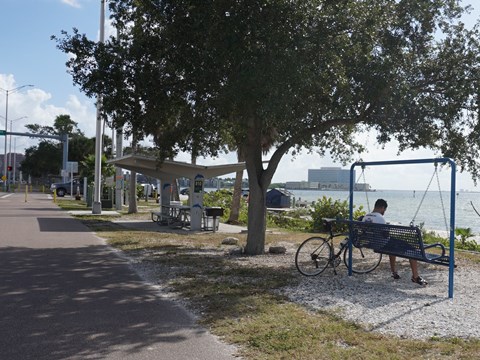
pixel 358 179
pixel 441 200
pixel 412 223
pixel 366 193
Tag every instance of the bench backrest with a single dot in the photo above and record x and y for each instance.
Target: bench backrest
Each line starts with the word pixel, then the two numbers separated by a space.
pixel 389 239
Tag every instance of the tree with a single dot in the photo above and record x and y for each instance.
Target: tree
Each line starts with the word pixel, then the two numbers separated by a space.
pixel 46 158
pixel 62 124
pixel 42 160
pixel 294 74
pixel 87 167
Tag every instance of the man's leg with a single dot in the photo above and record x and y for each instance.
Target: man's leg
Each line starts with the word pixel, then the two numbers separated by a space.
pixel 393 267
pixel 415 277
pixel 414 266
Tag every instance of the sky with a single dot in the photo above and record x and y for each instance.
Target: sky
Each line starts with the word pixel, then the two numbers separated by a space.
pixel 29 57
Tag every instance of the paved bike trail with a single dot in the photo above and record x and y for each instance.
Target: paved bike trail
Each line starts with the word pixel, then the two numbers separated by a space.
pixel 65 295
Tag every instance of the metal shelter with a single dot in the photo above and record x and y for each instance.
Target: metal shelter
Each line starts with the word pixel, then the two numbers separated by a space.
pixel 452 203
pixel 168 171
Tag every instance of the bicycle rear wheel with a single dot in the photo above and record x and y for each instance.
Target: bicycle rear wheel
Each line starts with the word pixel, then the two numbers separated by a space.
pixel 363 260
pixel 313 256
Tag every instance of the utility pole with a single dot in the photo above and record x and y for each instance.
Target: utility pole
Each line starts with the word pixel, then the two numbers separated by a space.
pixel 97 204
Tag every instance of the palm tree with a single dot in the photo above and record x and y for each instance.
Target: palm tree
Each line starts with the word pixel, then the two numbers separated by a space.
pixel 464 234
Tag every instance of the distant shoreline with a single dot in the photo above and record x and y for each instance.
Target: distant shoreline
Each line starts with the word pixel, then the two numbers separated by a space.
pixel 379 190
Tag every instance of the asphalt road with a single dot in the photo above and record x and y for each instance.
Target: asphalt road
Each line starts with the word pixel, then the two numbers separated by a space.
pixel 65 295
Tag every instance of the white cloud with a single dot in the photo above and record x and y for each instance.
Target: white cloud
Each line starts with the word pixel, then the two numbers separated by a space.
pixel 72 3
pixel 36 104
pixel 83 113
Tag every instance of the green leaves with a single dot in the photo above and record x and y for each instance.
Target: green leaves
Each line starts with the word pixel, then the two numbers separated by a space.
pixel 327 207
pixel 190 73
pixel 287 75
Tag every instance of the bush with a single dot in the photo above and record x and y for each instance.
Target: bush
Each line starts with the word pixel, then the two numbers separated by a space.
pixel 429 237
pixel 223 198
pixel 293 220
pixel 288 221
pixel 335 209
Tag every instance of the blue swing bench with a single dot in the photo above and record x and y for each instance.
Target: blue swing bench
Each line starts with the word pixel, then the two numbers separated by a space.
pixel 402 241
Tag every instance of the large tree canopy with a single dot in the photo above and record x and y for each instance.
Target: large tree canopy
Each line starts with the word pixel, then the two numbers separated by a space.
pixel 286 75
pixel 45 159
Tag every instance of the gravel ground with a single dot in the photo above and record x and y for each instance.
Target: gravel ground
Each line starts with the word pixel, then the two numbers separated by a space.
pixel 399 307
pixel 376 301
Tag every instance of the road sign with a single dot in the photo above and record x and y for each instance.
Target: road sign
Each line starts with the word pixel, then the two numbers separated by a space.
pixel 4 177
pixel 72 166
pixel 3 132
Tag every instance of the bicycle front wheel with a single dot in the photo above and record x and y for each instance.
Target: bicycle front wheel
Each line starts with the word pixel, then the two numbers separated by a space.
pixel 363 260
pixel 313 256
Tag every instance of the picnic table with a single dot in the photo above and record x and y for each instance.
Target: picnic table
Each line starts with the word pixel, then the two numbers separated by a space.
pixel 174 215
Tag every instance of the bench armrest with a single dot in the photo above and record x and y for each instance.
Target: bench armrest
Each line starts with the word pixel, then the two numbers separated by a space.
pixel 436 245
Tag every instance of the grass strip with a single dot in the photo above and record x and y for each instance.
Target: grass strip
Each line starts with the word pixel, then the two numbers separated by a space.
pixel 243 304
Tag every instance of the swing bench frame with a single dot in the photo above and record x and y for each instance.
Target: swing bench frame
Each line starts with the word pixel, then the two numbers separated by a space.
pixel 374 235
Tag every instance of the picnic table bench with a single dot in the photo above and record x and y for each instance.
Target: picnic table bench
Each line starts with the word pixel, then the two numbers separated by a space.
pixel 397 240
pixel 161 218
pixel 173 215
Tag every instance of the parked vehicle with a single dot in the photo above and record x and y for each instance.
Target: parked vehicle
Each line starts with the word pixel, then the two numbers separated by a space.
pixel 147 185
pixel 146 189
pixel 63 188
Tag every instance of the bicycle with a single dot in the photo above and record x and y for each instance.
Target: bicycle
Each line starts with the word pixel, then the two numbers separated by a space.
pixel 317 253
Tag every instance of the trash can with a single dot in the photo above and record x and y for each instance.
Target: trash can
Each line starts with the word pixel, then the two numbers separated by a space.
pixel 212 218
pixel 107 203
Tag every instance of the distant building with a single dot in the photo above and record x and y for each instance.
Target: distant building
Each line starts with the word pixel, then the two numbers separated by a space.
pixel 15 161
pixel 298 185
pixel 330 175
pixel 327 178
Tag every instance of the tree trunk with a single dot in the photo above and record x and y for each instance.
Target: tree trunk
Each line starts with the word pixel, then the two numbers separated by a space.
pixel 259 179
pixel 237 193
pixel 257 218
pixel 236 198
pixel 175 194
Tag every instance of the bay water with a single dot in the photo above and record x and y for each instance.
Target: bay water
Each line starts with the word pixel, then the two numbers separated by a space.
pixel 403 204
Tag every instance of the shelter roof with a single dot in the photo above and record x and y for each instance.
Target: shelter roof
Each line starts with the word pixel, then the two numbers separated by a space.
pixel 167 169
pixel 281 191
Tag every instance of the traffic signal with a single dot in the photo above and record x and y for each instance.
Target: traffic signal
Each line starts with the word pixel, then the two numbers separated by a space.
pixel 9 168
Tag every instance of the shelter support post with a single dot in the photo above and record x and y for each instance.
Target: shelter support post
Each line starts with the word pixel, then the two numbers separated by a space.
pixel 196 210
pixel 166 190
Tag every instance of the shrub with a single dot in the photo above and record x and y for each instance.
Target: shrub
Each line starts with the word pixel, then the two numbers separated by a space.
pixel 335 209
pixel 430 237
pixel 288 221
pixel 223 198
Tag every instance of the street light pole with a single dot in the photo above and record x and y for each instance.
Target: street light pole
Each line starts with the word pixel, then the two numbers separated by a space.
pixel 10 151
pixel 9 157
pixel 8 92
pixel 97 204
pixel 14 160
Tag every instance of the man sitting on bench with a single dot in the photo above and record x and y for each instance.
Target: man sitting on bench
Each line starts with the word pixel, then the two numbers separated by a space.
pixel 376 216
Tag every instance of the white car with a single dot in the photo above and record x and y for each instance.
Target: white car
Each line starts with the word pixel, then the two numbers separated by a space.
pixel 63 188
